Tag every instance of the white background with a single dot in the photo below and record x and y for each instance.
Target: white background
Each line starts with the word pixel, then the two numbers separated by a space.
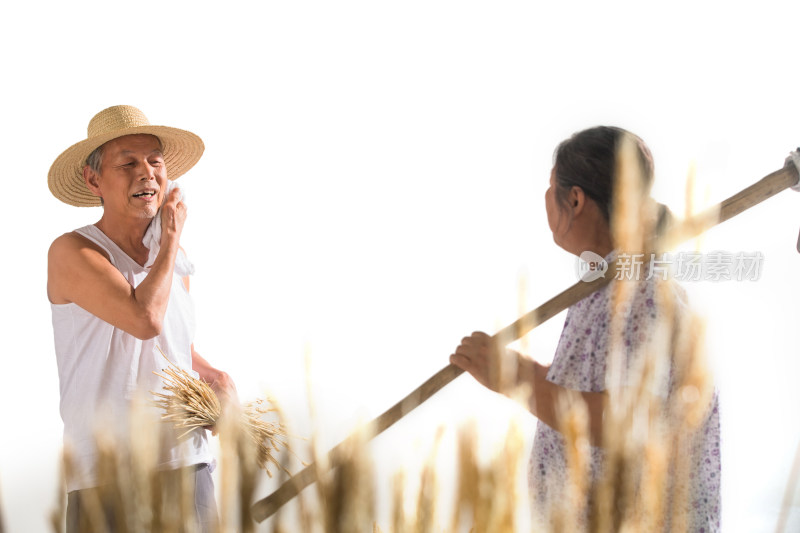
pixel 372 190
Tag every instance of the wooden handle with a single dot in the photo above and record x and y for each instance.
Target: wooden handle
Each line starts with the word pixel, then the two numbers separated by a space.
pixel 742 201
pixel 266 507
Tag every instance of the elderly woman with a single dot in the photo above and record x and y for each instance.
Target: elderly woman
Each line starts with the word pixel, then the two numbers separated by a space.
pixel 579 203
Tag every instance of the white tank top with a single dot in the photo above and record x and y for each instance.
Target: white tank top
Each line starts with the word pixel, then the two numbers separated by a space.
pixel 101 369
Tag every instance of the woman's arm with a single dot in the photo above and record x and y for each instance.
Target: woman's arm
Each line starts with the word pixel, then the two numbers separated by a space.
pixel 478 355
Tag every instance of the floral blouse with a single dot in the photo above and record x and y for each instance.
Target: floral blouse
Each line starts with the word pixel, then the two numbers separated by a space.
pixel 580 364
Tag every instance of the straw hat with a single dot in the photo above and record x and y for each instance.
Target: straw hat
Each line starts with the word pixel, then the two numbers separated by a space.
pixel 182 149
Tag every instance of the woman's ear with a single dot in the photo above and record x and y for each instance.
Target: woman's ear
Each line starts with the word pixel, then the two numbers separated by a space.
pixel 577 199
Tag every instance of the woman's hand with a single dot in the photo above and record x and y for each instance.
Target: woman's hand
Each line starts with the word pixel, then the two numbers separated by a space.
pixel 491 365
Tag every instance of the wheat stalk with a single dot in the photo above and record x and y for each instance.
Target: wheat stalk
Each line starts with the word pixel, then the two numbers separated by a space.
pixel 190 403
pixel 268 437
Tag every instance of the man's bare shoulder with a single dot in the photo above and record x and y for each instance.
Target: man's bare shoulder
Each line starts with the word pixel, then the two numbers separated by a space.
pixel 74 246
pixel 71 257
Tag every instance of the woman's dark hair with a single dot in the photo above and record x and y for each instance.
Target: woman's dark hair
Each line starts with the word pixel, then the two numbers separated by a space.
pixel 588 160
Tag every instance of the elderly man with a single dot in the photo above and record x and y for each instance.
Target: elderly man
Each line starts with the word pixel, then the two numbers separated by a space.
pixel 120 302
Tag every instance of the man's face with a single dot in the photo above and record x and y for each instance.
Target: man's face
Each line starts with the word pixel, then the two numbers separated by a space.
pixel 133 176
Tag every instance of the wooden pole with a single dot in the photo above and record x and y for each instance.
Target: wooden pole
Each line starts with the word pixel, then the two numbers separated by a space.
pixel 742 201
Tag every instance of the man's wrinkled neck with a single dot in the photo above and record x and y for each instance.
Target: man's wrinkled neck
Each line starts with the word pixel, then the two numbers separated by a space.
pixel 127 232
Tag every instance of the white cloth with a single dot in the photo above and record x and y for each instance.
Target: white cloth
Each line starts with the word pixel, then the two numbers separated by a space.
pixel 152 239
pixel 795 157
pixel 102 368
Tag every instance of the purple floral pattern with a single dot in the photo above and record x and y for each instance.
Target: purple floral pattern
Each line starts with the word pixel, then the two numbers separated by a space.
pixel 580 364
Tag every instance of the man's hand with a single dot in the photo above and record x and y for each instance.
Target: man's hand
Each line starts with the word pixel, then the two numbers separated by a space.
pixel 173 216
pixel 225 389
pixel 219 381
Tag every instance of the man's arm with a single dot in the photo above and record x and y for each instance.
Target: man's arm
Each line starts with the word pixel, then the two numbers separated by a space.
pixel 220 382
pixel 79 272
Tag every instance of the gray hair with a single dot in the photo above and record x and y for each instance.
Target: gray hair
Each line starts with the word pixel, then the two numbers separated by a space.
pixel 95 159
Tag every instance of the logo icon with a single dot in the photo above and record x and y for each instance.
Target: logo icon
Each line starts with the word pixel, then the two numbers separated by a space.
pixel 590 267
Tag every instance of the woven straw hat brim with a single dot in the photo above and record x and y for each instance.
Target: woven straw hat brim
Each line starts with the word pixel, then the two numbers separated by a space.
pixel 182 149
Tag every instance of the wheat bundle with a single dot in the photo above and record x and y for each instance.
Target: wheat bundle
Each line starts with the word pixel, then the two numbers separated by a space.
pixel 190 403
pixel 267 436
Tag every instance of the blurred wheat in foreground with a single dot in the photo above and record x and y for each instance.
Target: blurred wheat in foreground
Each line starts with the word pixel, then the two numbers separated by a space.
pixel 343 501
pixel 645 481
pixel 643 487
